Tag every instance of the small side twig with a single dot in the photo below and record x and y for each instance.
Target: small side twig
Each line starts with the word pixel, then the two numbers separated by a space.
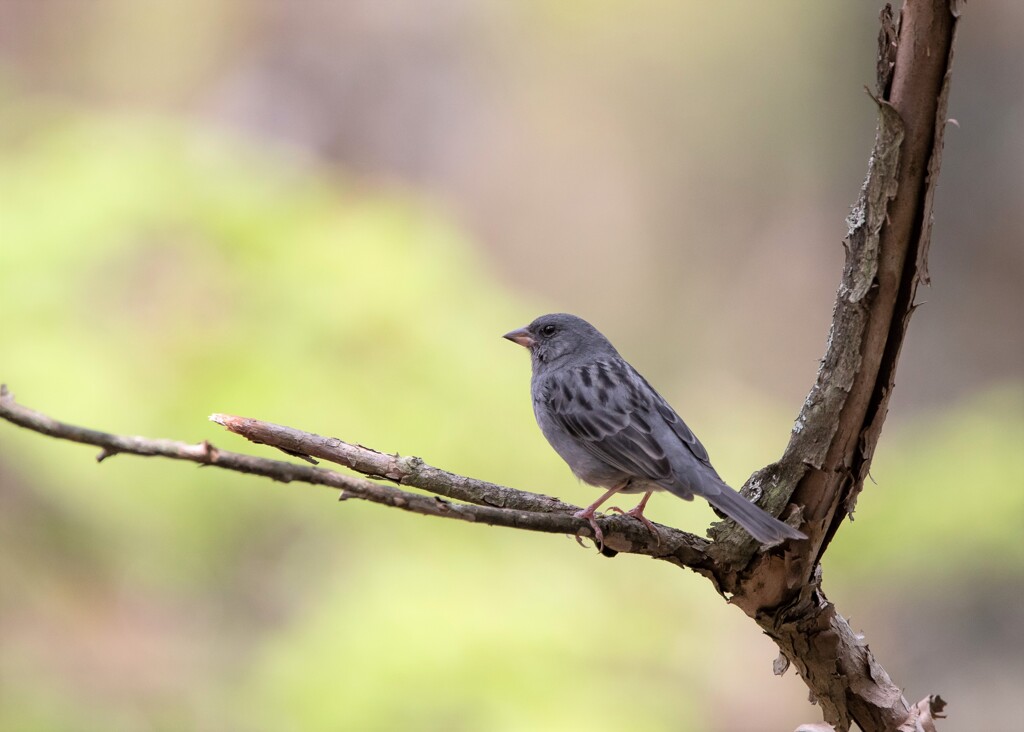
pixel 396 468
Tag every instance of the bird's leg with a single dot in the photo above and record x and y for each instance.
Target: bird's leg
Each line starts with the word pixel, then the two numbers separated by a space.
pixel 588 513
pixel 638 513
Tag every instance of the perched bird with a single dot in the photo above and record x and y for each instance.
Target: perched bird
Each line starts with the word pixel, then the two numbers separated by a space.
pixel 616 432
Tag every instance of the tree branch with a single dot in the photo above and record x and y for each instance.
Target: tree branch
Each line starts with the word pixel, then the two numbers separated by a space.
pixel 819 476
pixel 484 503
pixel 823 468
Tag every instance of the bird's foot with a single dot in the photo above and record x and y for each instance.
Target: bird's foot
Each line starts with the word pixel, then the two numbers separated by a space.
pixel 588 514
pixel 638 513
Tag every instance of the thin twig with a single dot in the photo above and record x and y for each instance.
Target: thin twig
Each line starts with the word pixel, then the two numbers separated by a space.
pixel 521 509
pixel 402 470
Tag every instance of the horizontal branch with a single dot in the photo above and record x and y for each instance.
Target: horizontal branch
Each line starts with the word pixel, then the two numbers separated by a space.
pixel 479 501
pixel 402 470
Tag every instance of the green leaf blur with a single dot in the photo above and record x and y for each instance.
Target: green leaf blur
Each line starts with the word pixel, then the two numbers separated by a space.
pixel 151 274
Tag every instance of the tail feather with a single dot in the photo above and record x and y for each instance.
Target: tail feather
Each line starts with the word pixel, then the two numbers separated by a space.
pixel 759 524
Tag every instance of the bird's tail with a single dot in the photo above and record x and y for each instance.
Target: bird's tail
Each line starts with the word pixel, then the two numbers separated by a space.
pixel 750 516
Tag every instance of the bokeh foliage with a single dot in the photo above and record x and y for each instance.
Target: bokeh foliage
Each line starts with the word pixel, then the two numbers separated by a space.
pixel 152 273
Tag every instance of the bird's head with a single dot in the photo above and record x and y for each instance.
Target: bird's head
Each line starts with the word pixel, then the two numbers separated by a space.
pixel 560 336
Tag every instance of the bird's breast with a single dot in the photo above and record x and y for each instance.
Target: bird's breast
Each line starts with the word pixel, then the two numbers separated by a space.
pixel 583 463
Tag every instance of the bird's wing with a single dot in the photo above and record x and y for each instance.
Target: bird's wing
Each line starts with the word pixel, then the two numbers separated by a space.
pixel 606 407
pixel 676 423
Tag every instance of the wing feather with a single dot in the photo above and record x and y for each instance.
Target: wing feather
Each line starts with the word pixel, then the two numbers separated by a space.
pixel 677 425
pixel 604 405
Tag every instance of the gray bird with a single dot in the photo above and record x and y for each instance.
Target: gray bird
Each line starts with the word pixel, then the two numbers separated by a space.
pixel 616 432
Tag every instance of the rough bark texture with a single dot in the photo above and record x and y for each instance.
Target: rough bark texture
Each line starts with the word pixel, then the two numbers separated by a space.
pixel 823 468
pixel 816 482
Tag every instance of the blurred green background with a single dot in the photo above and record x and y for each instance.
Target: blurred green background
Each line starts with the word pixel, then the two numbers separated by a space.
pixel 326 214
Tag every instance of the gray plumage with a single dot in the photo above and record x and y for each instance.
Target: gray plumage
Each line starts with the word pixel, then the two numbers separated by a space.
pixel 616 432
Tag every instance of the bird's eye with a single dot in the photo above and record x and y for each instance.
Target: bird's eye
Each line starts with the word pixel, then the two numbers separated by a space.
pixel 547 330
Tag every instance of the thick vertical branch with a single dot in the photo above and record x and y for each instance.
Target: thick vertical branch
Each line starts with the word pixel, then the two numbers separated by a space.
pixel 834 437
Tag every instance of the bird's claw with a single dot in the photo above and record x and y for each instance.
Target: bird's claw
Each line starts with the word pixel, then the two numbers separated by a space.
pixel 598 534
pixel 638 513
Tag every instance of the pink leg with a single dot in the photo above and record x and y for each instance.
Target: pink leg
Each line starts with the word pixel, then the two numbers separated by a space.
pixel 638 513
pixel 588 514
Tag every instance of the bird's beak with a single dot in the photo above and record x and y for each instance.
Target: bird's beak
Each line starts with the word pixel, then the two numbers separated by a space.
pixel 522 337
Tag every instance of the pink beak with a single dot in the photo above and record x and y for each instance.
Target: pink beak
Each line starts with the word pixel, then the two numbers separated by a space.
pixel 522 337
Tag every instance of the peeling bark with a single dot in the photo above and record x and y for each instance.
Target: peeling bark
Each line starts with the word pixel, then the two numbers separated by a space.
pixel 829 454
